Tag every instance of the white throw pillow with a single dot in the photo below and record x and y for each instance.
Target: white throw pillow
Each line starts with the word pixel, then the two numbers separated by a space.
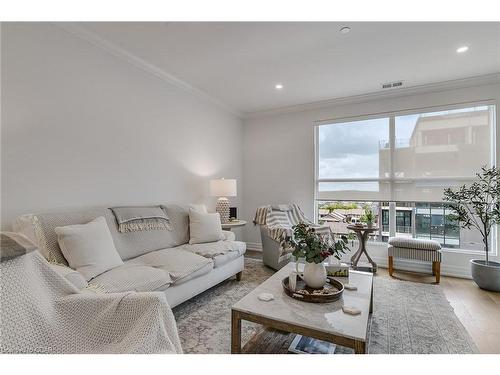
pixel 204 227
pixel 89 248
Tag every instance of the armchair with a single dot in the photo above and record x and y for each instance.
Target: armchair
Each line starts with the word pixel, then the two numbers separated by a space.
pixel 276 223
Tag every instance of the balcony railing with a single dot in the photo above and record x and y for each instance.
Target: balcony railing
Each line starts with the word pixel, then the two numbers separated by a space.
pixel 383 144
pixel 399 229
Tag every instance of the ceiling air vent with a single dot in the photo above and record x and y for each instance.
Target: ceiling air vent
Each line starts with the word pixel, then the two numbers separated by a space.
pixel 391 85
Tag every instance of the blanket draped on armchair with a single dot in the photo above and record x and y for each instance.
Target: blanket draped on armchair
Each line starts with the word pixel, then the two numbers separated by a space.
pixel 41 312
pixel 279 221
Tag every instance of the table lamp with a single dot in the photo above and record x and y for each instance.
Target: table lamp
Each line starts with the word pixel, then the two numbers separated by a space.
pixel 223 188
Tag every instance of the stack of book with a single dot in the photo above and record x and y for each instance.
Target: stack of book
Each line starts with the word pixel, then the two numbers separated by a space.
pixel 337 270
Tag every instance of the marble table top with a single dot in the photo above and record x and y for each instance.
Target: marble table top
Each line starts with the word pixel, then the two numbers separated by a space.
pixel 325 317
pixel 233 224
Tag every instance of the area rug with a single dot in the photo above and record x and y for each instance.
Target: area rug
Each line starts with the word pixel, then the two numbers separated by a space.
pixel 408 317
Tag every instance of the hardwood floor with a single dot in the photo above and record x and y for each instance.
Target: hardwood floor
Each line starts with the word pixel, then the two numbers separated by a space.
pixel 477 309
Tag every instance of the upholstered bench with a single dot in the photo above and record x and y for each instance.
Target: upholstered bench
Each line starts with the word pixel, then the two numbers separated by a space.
pixel 412 248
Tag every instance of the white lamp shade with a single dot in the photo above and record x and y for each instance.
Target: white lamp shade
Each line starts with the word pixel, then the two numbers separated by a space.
pixel 223 188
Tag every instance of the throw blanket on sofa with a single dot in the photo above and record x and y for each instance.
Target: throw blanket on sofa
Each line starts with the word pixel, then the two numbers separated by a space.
pixel 140 218
pixel 41 312
pixel 280 219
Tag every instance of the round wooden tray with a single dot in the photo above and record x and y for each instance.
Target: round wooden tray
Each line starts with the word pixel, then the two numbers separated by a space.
pixel 336 286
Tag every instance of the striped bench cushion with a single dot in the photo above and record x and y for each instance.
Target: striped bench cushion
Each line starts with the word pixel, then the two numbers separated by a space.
pixel 414 243
pixel 417 254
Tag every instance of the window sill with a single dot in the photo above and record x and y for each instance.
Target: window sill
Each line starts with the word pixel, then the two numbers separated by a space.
pixel 446 250
pixel 465 251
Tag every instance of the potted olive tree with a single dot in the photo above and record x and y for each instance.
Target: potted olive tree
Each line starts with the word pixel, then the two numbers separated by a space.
pixel 477 206
pixel 315 248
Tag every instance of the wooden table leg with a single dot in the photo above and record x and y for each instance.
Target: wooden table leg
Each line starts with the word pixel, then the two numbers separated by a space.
pixel 359 347
pixel 359 252
pixel 235 332
pixel 370 260
pixel 362 238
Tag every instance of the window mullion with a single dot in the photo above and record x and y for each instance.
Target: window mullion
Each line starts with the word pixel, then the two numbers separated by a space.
pixel 392 204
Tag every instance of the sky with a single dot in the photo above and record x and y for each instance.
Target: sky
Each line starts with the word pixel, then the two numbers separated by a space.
pixel 351 149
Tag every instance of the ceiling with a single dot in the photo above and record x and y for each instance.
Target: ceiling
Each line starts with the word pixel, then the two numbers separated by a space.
pixel 239 64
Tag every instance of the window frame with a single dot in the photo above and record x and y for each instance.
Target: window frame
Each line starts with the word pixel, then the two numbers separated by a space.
pixel 392 139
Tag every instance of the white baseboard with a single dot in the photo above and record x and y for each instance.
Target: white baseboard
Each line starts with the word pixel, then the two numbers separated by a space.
pixel 254 246
pixel 403 264
pixel 424 267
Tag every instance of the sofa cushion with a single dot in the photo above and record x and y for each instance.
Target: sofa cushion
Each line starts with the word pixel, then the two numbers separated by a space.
pixel 132 277
pixel 74 277
pixel 414 243
pixel 204 227
pixel 178 263
pixel 228 235
pixel 221 252
pixel 133 244
pixel 222 259
pixel 202 271
pixel 39 228
pixel 89 248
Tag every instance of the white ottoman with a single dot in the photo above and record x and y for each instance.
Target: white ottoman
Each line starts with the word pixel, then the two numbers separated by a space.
pixel 412 248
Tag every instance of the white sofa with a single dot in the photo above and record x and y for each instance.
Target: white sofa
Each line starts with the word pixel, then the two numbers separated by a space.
pixel 156 260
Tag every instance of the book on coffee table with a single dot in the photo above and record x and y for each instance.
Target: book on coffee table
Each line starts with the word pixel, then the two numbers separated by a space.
pixel 307 345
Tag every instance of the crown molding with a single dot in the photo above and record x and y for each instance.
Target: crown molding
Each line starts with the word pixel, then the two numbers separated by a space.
pixel 391 93
pixel 126 56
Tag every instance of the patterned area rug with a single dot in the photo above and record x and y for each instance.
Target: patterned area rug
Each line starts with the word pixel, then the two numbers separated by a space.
pixel 408 317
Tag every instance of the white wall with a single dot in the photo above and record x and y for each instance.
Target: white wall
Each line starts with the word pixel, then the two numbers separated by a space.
pixel 81 127
pixel 279 154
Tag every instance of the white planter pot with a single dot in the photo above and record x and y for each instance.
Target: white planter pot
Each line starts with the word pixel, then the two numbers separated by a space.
pixel 486 276
pixel 314 275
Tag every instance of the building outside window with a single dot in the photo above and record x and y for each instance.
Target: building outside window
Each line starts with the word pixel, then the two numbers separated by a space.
pixel 407 159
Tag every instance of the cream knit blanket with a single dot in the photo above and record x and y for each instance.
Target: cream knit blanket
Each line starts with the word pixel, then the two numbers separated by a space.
pixel 41 312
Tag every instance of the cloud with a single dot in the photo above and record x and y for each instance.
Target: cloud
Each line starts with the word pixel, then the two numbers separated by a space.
pixel 354 138
pixel 350 166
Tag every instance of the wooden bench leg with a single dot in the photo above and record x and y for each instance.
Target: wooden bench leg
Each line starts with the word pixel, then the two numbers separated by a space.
pixel 391 266
pixel 238 276
pixel 436 270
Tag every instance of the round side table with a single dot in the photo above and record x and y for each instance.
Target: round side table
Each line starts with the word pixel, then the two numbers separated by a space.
pixel 362 234
pixel 233 224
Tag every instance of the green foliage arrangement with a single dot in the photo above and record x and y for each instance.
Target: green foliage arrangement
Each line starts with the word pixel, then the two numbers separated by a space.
pixel 332 206
pixel 368 217
pixel 308 244
pixel 477 205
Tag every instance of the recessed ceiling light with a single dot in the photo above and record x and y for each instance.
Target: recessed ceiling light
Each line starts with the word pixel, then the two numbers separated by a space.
pixel 344 30
pixel 462 49
pixel 278 86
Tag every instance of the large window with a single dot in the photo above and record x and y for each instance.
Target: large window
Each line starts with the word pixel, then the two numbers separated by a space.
pixel 407 159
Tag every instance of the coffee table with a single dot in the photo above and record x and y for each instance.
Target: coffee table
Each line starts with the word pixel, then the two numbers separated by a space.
pixel 323 321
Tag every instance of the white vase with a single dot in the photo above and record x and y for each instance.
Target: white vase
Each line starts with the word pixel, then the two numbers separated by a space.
pixel 314 275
